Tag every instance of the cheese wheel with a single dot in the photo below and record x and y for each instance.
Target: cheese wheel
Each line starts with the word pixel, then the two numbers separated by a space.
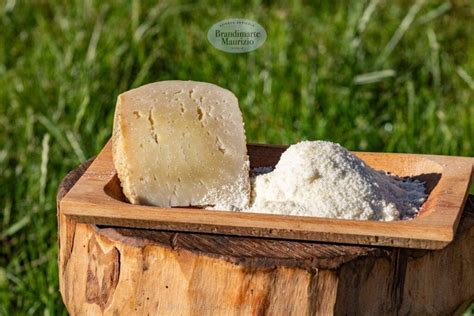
pixel 181 143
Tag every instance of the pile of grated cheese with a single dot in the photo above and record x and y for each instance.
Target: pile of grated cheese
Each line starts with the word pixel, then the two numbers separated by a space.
pixel 323 179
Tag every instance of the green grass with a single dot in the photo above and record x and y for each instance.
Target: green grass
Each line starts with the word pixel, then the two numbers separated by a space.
pixel 378 76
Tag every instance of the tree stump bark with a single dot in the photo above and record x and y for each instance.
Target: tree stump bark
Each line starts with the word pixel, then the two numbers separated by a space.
pixel 121 271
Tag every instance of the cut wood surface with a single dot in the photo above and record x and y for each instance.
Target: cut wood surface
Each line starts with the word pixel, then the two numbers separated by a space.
pixel 124 271
pixel 97 199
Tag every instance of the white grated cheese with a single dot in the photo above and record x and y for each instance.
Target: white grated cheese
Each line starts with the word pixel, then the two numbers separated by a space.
pixel 323 179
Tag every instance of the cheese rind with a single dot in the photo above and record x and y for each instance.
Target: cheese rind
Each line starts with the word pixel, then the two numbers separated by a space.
pixel 181 143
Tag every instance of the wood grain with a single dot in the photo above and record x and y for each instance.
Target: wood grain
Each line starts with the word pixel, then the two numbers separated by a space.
pixel 125 271
pixel 97 199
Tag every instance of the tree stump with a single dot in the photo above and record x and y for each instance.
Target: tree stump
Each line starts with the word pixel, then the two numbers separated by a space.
pixel 122 271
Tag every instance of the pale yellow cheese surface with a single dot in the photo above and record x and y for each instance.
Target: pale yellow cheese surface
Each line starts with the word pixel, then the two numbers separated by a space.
pixel 180 143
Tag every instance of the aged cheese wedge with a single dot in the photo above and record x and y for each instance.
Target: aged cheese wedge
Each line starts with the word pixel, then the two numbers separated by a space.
pixel 181 143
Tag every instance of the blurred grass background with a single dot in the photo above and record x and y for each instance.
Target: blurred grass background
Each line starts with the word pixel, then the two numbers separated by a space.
pixel 371 75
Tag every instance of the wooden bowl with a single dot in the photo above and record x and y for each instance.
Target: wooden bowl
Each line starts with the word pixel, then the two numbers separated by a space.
pixel 97 198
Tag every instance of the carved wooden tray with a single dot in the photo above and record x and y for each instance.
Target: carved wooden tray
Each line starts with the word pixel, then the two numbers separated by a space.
pixel 97 198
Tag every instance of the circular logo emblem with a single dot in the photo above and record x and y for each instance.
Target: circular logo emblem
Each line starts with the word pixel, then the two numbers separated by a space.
pixel 237 35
